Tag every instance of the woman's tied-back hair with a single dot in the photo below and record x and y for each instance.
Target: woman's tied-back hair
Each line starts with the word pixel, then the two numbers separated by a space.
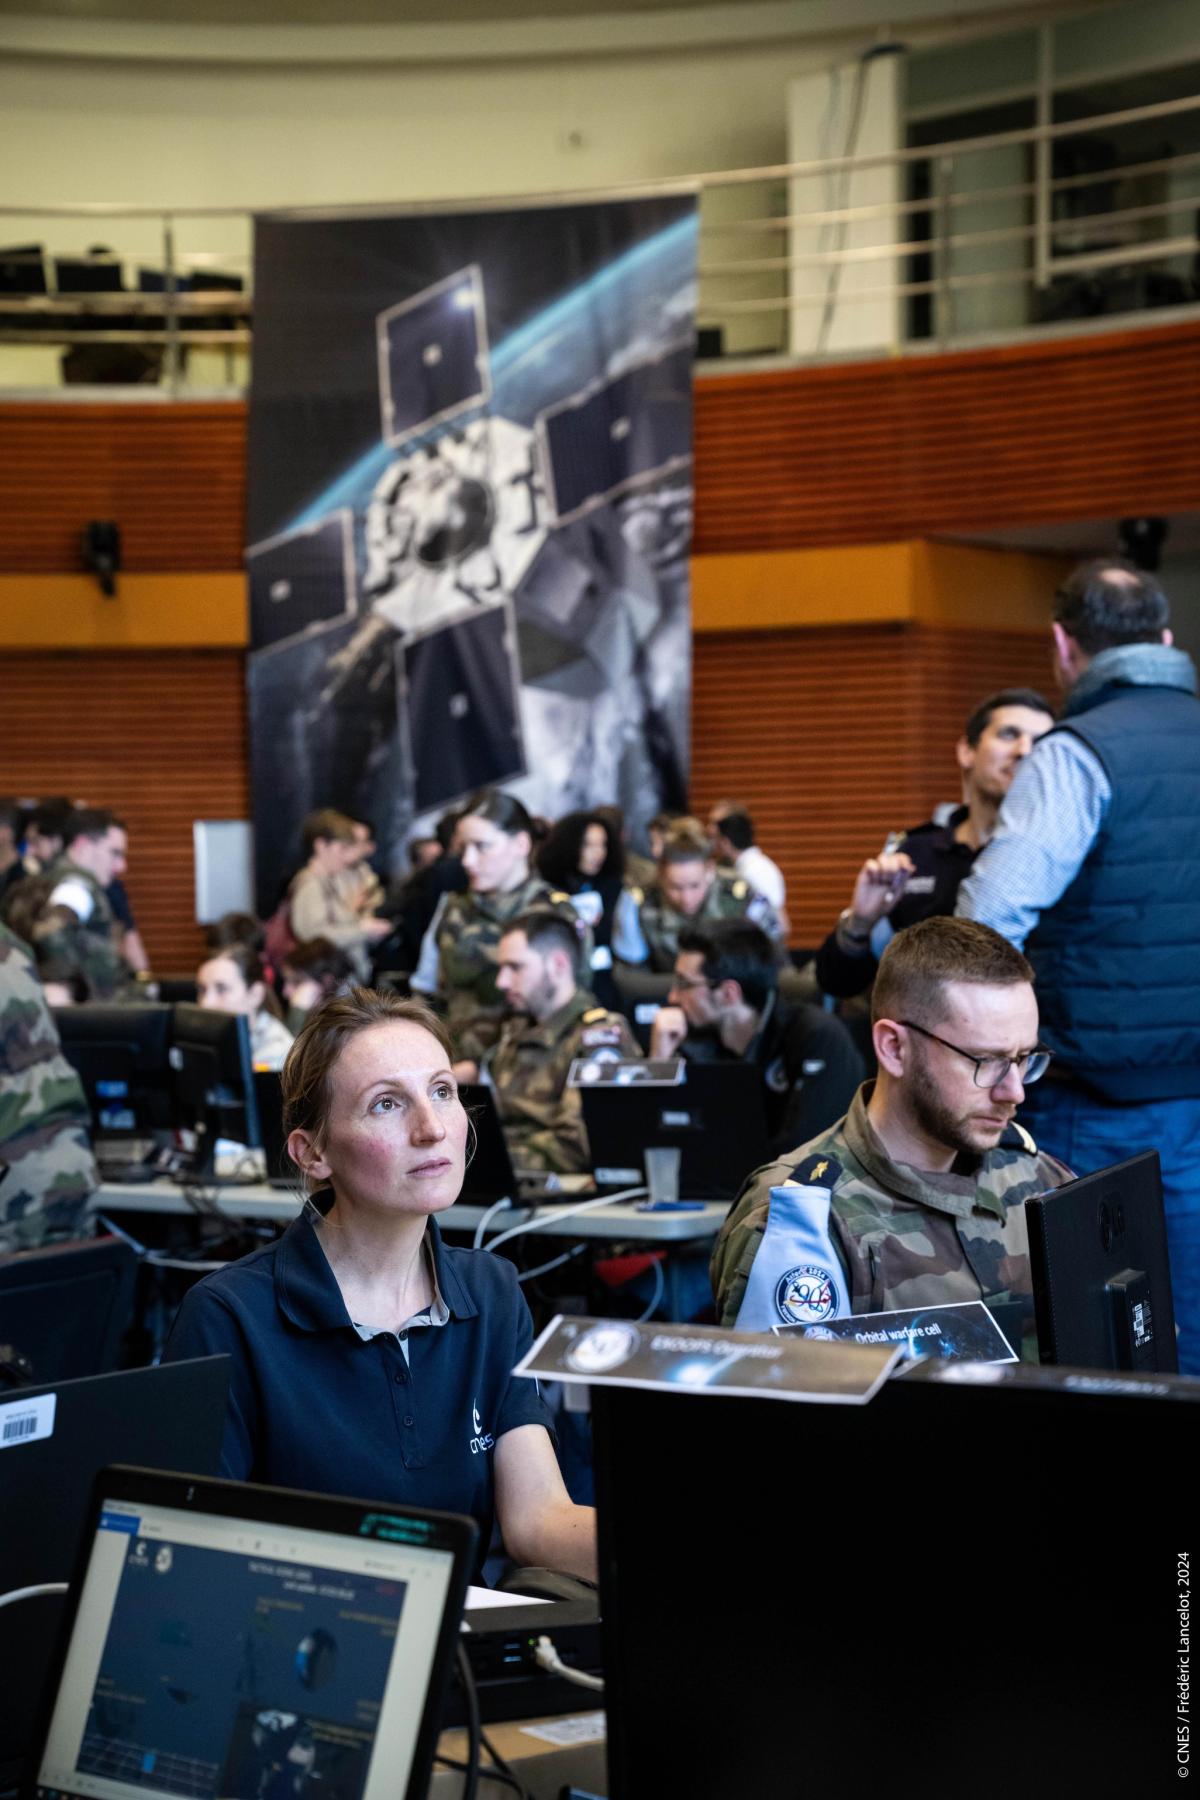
pixel 307 1074
pixel 919 962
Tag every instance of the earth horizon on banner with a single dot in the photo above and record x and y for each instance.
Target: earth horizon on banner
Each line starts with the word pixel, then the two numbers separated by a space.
pixel 469 515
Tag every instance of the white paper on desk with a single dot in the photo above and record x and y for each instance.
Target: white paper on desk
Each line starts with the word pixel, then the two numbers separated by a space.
pixel 483 1599
pixel 582 1728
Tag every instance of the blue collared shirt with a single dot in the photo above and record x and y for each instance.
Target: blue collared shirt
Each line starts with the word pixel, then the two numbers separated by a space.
pixel 312 1404
pixel 1049 820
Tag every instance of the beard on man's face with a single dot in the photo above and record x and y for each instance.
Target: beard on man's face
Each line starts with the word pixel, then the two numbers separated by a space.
pixel 963 1132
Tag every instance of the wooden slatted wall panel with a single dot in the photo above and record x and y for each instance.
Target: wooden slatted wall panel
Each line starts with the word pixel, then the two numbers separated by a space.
pixel 834 737
pixel 907 448
pixel 159 737
pixel 172 477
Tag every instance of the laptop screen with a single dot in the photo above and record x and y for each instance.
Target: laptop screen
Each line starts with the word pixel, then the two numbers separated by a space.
pixel 217 1655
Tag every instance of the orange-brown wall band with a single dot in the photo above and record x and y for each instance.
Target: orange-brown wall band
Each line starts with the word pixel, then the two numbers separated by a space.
pixel 158 736
pixel 832 737
pixel 852 453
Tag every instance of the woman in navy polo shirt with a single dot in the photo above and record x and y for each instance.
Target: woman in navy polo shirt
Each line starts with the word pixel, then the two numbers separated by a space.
pixel 368 1358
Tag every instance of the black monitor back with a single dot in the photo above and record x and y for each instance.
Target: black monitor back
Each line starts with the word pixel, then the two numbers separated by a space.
pixel 23 269
pixel 490 1174
pixel 165 1418
pixel 716 1117
pixel 1101 1274
pixel 120 1054
pixel 88 275
pixel 214 1079
pixel 64 1309
pixel 965 1587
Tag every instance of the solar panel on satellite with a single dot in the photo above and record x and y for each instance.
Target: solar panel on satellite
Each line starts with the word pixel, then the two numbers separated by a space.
pixel 461 699
pixel 433 356
pixel 300 579
pixel 618 434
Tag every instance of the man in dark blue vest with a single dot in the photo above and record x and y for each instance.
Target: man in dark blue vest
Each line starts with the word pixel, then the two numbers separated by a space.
pixel 1095 870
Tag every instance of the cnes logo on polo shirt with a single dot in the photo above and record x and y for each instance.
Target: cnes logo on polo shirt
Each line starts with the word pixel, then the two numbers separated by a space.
pixel 483 1440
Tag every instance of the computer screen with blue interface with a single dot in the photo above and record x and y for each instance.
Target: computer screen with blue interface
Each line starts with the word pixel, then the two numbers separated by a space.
pixel 223 1656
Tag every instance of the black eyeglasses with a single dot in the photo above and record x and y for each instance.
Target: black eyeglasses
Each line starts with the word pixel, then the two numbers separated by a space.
pixel 687 982
pixel 990 1071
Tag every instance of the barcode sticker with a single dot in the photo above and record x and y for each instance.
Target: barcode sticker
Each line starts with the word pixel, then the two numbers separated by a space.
pixel 24 1421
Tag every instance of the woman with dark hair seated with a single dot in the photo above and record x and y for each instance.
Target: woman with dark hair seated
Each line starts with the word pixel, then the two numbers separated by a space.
pixel 494 838
pixel 369 1358
pixel 311 973
pixel 584 856
pixel 232 980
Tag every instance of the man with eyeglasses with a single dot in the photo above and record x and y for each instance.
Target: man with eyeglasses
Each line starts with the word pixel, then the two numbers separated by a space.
pixel 916 1197
pixel 725 1006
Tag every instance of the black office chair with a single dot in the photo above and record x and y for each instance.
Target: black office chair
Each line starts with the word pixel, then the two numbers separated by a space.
pixel 64 1310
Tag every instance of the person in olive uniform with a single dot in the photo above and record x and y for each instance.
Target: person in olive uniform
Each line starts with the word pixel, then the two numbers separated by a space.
pixel 916 1197
pixel 690 889
pixel 460 950
pixel 555 1021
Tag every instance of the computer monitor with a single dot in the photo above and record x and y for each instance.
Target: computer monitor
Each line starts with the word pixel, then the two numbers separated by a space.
pixel 227 1639
pixel 490 1174
pixel 881 1594
pixel 213 1084
pixel 120 1055
pixel 716 1118
pixel 88 275
pixel 23 269
pixel 154 281
pixel 64 1309
pixel 1101 1274
pixel 54 1441
pixel 280 1169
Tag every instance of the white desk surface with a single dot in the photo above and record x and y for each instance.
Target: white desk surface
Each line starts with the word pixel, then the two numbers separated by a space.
pixel 256 1201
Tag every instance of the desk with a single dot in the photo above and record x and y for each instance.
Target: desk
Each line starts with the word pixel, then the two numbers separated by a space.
pixel 254 1202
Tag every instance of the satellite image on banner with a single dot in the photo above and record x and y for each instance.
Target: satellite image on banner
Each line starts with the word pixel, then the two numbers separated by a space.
pixel 469 515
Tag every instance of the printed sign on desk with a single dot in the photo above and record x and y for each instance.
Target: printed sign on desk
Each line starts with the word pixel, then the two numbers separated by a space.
pixel 703 1359
pixel 964 1331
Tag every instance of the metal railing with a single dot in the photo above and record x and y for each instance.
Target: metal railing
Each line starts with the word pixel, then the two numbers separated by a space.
pixel 798 260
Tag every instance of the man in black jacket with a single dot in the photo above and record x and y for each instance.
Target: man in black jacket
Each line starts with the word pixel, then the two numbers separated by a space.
pixel 725 1006
pixel 917 875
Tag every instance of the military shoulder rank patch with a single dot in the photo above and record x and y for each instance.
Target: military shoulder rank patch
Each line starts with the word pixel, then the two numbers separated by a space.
pixel 637 895
pixel 817 1171
pixel 1016 1137
pixel 600 1034
pixel 594 1014
pixel 739 889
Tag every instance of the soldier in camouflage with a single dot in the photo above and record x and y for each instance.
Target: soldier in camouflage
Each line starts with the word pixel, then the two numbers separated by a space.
pixel 555 1021
pixel 46 1165
pixel 689 889
pixel 65 916
pixel 459 954
pixel 923 1183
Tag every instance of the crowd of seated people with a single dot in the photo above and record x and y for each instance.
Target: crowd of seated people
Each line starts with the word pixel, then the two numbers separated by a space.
pixel 902 1191
pixel 534 940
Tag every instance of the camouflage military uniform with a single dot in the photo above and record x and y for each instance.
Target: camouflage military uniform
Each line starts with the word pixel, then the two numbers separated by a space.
pixel 468 929
pixel 905 1237
pixel 46 1165
pixel 728 897
pixel 83 954
pixel 542 1117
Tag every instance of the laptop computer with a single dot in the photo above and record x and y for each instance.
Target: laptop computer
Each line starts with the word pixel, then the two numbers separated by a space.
pixel 225 1639
pixel 54 1437
pixel 715 1117
pixel 491 1174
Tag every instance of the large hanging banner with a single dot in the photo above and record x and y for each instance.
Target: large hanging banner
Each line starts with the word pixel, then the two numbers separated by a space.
pixel 469 514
